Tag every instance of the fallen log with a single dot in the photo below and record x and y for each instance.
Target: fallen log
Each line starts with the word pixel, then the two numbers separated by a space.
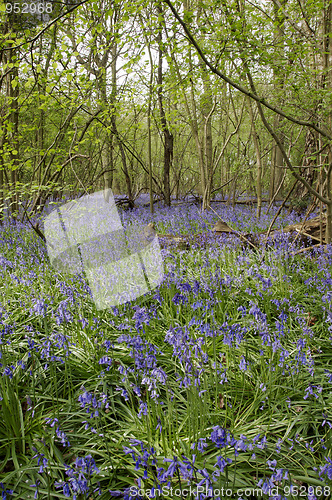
pixel 310 228
pixel 245 202
pixel 308 231
pixel 169 241
pixel 165 240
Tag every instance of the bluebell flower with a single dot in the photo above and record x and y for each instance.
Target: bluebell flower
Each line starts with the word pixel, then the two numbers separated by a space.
pixel 172 467
pixel 42 462
pixel 221 437
pixel 329 375
pixel 143 409
pixel 62 436
pixel 265 485
pixel 39 307
pixel 202 444
pixel 272 464
pixel 241 443
pixel 159 425
pixel 87 464
pixel 106 360
pixel 325 421
pixel 310 391
pixel 78 483
pixel 62 314
pixel 206 479
pixel 65 488
pixel 5 491
pixel 127 493
pixel 35 485
pixel 91 403
pixel 242 310
pixel 243 364
pixel 51 421
pixel 221 464
pixel 278 445
pixel 262 443
pixel 141 316
pixel 8 371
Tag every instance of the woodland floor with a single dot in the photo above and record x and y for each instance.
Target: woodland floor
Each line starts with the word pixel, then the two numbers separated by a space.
pixel 217 383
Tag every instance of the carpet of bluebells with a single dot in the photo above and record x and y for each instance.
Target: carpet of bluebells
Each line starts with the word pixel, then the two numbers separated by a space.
pixel 217 384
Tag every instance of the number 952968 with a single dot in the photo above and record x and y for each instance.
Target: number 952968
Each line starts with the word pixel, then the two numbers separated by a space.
pixel 29 8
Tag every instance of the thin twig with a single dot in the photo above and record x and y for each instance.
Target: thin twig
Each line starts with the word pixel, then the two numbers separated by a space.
pixel 35 228
pixel 302 250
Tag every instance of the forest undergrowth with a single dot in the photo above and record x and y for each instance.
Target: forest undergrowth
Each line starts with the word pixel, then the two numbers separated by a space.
pixel 217 384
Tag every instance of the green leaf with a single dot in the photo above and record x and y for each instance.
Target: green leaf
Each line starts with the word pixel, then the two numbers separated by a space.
pixel 188 17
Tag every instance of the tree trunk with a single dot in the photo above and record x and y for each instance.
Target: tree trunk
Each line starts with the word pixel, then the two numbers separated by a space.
pixel 2 187
pixel 124 164
pixel 207 110
pixel 258 161
pixel 277 163
pixel 168 137
pixel 327 81
pixel 308 172
pixel 10 119
pixel 13 94
pixel 149 132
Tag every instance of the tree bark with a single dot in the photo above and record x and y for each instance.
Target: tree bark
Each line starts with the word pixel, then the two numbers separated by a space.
pixel 168 136
pixel 149 131
pixel 207 111
pixel 258 161
pixel 327 81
